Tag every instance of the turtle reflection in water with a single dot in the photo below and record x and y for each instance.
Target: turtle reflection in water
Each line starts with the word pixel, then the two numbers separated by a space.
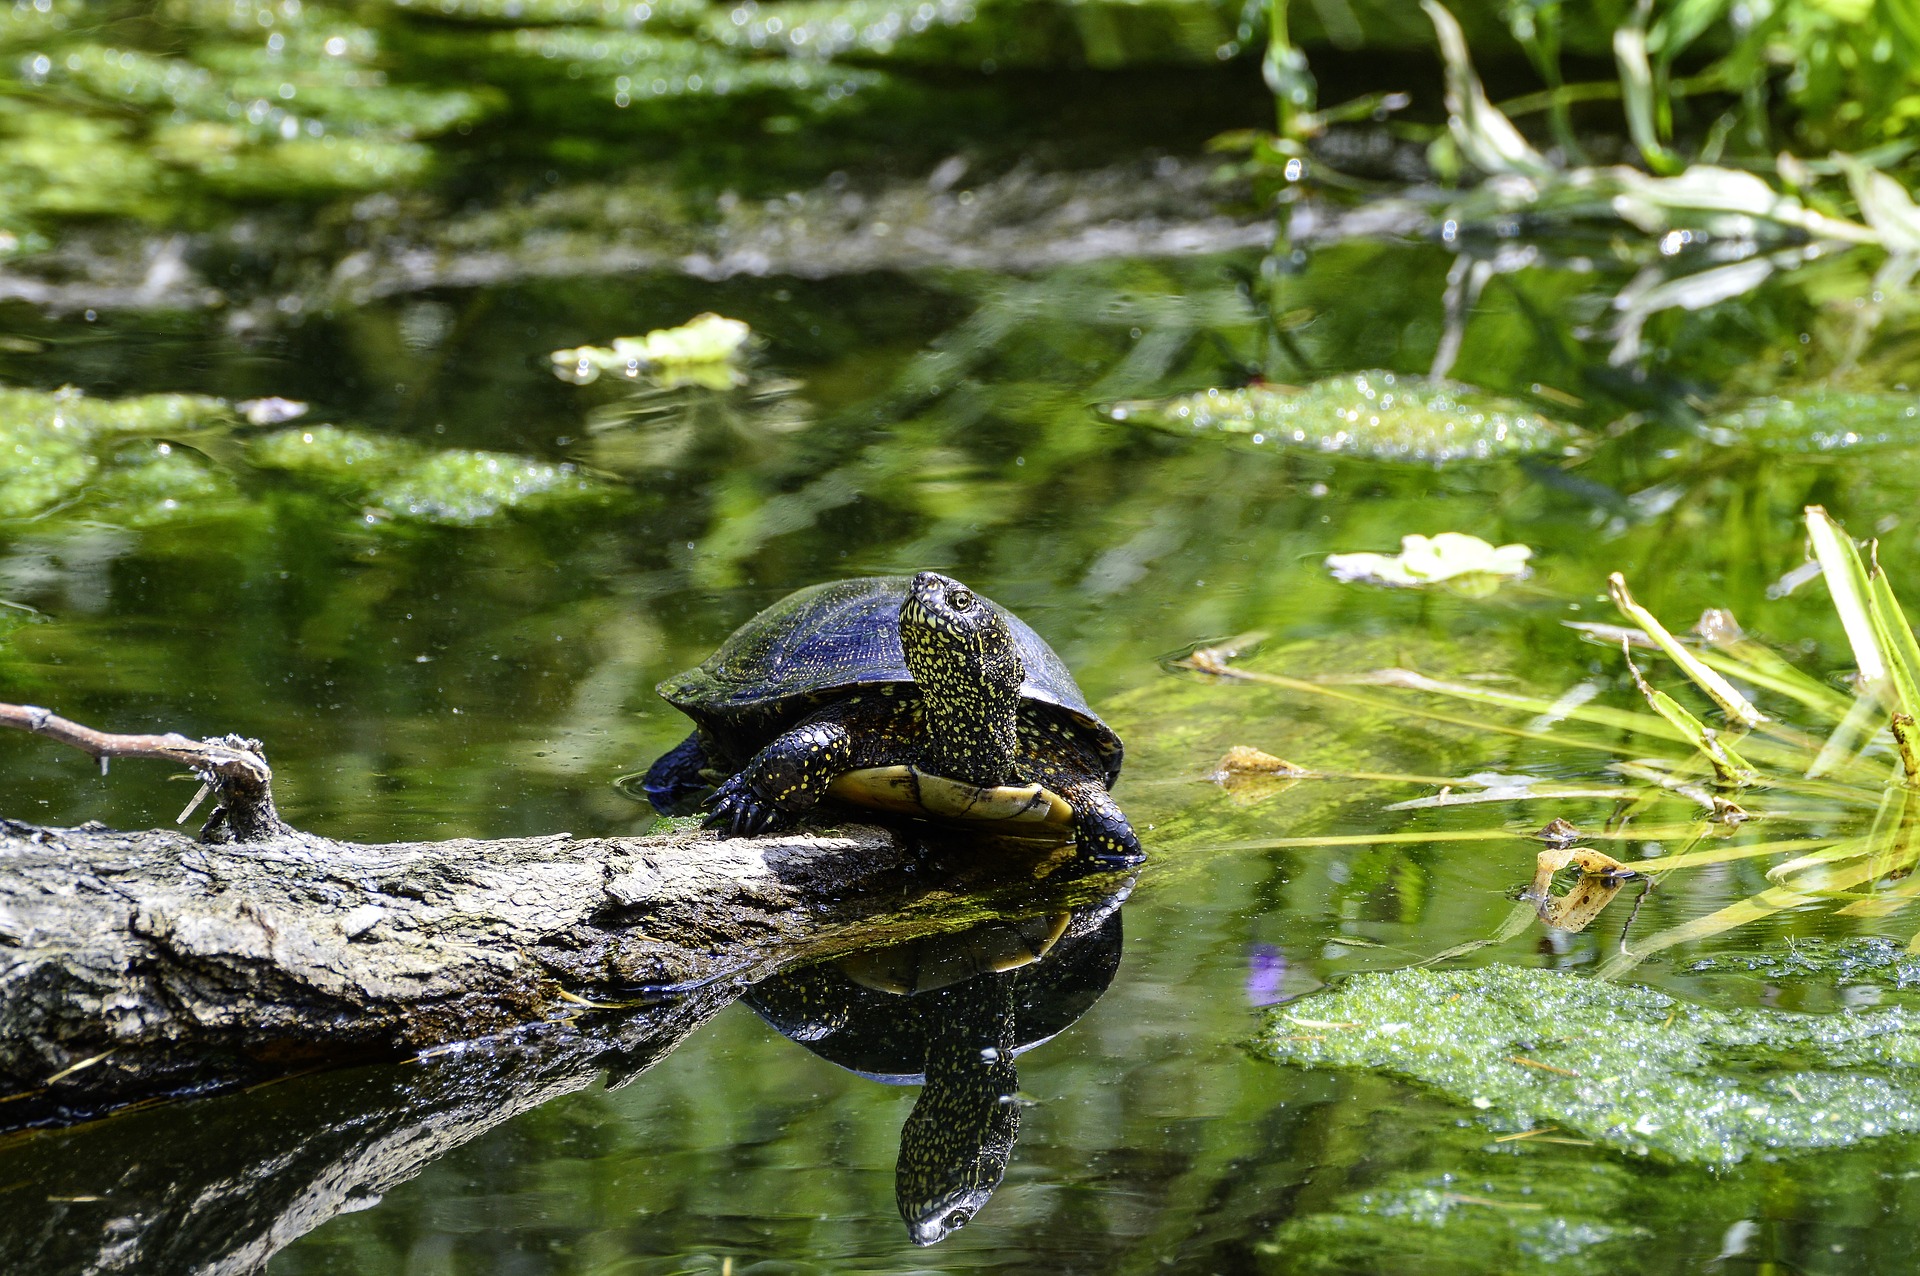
pixel 910 695
pixel 950 1013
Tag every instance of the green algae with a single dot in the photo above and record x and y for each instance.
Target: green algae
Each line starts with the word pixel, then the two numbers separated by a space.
pixel 56 444
pixel 1865 959
pixel 635 66
pixel 396 479
pixel 246 100
pixel 1511 1220
pixel 1630 1067
pixel 1377 415
pixel 123 460
pixel 540 13
pixel 1817 421
pixel 835 28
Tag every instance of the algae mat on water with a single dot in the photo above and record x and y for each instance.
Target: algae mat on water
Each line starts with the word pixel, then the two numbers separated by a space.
pixel 1629 1067
pixel 1382 416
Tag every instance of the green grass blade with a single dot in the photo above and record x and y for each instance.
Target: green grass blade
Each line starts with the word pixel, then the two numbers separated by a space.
pixel 1730 770
pixel 1846 578
pixel 1737 707
pixel 1896 637
pixel 1726 854
pixel 1600 715
pixel 1748 661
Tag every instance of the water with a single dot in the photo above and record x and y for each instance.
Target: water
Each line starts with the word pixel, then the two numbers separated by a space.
pixel 419 680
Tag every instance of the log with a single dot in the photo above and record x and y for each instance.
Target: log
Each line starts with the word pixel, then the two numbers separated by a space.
pixel 137 964
pixel 481 978
pixel 134 965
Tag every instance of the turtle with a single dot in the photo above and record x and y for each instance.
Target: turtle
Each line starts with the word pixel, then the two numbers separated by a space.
pixel 907 694
pixel 950 1014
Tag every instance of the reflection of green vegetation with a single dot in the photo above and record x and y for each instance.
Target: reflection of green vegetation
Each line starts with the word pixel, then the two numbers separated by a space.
pixel 1625 1066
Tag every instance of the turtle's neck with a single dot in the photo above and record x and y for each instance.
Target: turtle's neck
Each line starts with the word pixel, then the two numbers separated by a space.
pixel 962 656
pixel 971 730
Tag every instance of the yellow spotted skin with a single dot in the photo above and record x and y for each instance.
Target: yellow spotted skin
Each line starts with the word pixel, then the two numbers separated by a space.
pixel 959 1039
pixel 887 671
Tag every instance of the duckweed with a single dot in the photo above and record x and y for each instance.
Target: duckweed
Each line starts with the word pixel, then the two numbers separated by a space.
pixel 125 461
pixel 1512 1221
pixel 398 479
pixel 1629 1067
pixel 54 444
pixel 1820 421
pixel 1377 415
pixel 1867 959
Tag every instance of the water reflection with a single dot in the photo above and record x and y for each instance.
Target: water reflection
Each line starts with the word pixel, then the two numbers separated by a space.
pixel 951 1014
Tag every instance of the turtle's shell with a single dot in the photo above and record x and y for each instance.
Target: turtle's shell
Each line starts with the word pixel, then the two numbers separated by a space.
pixel 883 1036
pixel 825 640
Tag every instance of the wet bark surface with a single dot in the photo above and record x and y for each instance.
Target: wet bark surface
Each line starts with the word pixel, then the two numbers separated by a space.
pixel 217 1186
pixel 141 968
pixel 141 964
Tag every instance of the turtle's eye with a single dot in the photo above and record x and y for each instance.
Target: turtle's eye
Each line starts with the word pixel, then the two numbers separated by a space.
pixel 960 599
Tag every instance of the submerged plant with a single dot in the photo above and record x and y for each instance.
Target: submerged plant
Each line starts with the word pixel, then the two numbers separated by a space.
pixel 1824 782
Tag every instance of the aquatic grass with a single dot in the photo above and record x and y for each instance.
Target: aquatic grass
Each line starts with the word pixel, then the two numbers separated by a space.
pixel 1833 779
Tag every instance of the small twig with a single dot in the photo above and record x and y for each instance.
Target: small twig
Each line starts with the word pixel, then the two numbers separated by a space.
pixel 1544 1067
pixel 235 768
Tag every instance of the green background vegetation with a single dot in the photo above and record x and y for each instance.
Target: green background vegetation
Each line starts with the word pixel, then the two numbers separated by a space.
pixel 443 594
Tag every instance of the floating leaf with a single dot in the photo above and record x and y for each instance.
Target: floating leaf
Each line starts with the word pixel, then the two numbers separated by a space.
pixel 1431 560
pixel 1250 775
pixel 1378 415
pixel 700 351
pixel 1600 878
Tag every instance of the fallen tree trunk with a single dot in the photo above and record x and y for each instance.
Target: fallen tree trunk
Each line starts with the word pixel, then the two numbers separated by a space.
pixel 138 966
pixel 134 964
pixel 218 1186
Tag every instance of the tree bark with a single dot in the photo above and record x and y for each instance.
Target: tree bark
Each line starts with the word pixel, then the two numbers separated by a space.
pixel 482 978
pixel 139 964
pixel 218 1186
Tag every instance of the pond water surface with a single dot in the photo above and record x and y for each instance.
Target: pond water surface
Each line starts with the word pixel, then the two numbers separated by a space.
pixel 419 675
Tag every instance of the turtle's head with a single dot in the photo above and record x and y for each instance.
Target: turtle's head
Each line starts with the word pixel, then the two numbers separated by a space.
pixel 962 655
pixel 957 1140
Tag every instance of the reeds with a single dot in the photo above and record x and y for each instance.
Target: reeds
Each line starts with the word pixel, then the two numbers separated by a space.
pixel 1833 777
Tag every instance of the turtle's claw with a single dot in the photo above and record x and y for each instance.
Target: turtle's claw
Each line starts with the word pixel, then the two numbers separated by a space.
pixel 739 810
pixel 1104 837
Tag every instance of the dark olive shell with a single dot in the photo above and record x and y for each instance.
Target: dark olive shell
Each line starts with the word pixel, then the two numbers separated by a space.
pixel 884 1036
pixel 824 640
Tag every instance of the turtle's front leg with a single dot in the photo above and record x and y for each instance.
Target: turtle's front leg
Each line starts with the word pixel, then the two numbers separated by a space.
pixel 786 779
